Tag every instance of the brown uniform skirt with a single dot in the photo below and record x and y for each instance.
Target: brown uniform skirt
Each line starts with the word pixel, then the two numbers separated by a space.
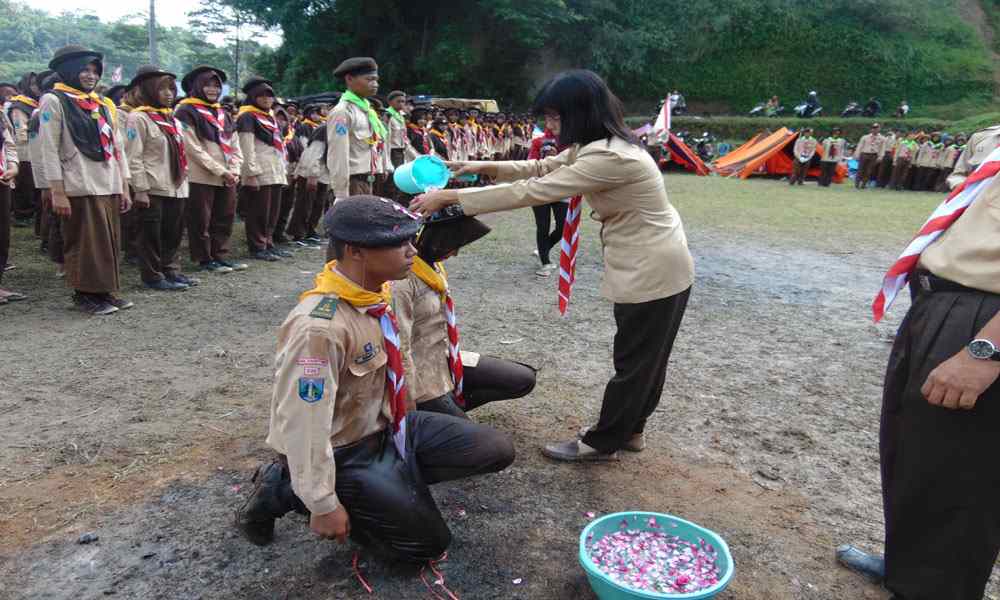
pixel 91 244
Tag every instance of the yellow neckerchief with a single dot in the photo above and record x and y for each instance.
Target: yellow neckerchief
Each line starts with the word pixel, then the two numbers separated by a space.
pixel 200 102
pixel 329 281
pixel 152 109
pixel 250 108
pixel 435 277
pixel 26 99
pixel 290 134
pixel 78 95
pixel 310 122
pixel 437 133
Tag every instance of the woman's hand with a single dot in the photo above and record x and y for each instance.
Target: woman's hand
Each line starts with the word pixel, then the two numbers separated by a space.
pixel 459 168
pixel 433 201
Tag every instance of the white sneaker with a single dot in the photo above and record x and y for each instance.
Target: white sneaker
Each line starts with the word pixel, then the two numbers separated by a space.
pixel 545 271
pixel 534 252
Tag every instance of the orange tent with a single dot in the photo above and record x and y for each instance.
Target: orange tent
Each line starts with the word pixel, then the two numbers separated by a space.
pixel 682 155
pixel 769 155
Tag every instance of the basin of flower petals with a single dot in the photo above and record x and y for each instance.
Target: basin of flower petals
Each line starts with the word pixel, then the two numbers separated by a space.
pixel 655 561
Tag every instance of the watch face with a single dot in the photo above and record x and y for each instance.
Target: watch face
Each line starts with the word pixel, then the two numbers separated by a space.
pixel 982 349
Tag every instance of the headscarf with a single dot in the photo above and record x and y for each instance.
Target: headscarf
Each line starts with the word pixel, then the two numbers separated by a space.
pixel 83 127
pixel 186 112
pixel 149 95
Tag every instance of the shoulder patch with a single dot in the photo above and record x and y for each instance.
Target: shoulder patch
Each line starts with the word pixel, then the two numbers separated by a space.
pixel 46 116
pixel 340 125
pixel 132 133
pixel 325 309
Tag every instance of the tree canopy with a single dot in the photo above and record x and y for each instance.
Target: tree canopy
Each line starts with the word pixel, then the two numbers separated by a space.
pixel 732 53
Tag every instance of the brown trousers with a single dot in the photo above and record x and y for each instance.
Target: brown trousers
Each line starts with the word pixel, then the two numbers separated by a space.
pixel 91 246
pixel 900 174
pixel 867 169
pixel 54 228
pixel 5 198
pixel 210 213
pixel 308 209
pixel 942 180
pixel 885 171
pixel 288 194
pixel 262 208
pixel 799 170
pixel 131 229
pixel 826 172
pixel 940 482
pixel 359 186
pixel 161 227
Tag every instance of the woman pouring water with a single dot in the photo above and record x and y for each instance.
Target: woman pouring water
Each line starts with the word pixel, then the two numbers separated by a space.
pixel 648 270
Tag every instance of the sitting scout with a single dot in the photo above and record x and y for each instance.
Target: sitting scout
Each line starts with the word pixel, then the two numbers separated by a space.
pixel 351 454
pixel 441 378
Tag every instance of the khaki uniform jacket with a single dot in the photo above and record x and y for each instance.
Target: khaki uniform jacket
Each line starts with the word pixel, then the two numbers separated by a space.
pixel 949 155
pixel 311 164
pixel 928 155
pixel 397 135
pixel 805 148
pixel 19 121
pixel 329 391
pixel 833 149
pixel 905 150
pixel 35 157
pixel 9 157
pixel 646 255
pixel 979 147
pixel 868 144
pixel 423 339
pixel 968 252
pixel 206 161
pixel 62 161
pixel 888 146
pixel 348 132
pixel 148 154
pixel 260 160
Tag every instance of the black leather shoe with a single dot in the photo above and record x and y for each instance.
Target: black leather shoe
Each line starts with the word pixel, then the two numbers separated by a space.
pixel 272 498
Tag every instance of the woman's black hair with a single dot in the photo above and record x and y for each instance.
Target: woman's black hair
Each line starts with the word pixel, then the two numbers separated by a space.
pixel 588 109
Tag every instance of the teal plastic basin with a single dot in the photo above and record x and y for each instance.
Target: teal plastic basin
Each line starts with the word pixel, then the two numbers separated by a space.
pixel 606 589
pixel 421 174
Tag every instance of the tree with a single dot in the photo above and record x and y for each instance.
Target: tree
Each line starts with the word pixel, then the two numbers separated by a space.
pixel 234 24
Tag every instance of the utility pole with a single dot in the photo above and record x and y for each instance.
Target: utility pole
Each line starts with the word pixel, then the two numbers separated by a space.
pixel 154 54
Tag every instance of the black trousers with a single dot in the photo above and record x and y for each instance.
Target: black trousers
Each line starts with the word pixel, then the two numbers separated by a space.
pixel 867 169
pixel 940 481
pixel 5 223
pixel 826 172
pixel 545 239
pixel 288 193
pixel 387 499
pixel 643 341
pixel 491 380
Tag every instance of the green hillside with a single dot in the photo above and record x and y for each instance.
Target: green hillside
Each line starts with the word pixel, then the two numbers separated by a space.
pixel 725 56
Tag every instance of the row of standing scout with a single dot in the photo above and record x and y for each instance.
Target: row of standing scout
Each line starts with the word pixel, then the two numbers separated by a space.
pixel 102 177
pixel 898 160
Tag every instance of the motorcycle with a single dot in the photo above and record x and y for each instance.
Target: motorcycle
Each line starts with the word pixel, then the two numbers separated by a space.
pixel 872 109
pixel 853 109
pixel 761 111
pixel 704 146
pixel 806 111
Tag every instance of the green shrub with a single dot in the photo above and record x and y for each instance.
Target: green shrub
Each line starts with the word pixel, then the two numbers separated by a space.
pixel 742 128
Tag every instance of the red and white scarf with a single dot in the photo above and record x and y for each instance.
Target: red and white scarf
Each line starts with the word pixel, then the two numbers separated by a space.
pixel 92 103
pixel 567 252
pixel 215 114
pixel 164 117
pixel 436 278
pixel 940 220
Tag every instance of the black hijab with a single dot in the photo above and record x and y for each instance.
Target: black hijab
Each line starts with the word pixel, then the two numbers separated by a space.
pixel 83 127
pixel 189 115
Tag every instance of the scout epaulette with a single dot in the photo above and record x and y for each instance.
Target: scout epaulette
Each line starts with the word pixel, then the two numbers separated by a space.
pixel 326 308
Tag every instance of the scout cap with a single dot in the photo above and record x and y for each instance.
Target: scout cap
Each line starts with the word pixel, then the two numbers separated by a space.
pixel 370 222
pixel 396 94
pixel 188 82
pixel 448 230
pixel 74 51
pixel 145 72
pixel 359 65
pixel 258 86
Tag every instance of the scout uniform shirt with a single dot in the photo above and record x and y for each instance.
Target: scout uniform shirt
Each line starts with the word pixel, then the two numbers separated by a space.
pixel 870 143
pixel 35 153
pixel 905 150
pixel 423 339
pixel 805 148
pixel 8 158
pixel 329 391
pixel 928 154
pixel 833 149
pixel 888 145
pixel 976 150
pixel 646 255
pixel 19 121
pixel 207 163
pixel 351 148
pixel 397 134
pixel 149 163
pixel 313 162
pixel 968 252
pixel 63 161
pixel 262 160
pixel 949 155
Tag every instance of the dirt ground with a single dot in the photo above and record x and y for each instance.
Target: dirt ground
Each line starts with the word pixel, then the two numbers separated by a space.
pixel 144 427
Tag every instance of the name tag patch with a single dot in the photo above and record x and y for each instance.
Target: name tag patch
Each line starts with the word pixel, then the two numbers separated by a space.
pixel 370 350
pixel 311 389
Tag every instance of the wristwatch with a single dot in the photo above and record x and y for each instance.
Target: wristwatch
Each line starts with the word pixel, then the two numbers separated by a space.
pixel 984 350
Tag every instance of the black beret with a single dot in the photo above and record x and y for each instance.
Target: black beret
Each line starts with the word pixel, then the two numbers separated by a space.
pixel 145 72
pixel 448 230
pixel 396 94
pixel 189 78
pixel 359 65
pixel 72 51
pixel 257 82
pixel 370 222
